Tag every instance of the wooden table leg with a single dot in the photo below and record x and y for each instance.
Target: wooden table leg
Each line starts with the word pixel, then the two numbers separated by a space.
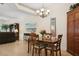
pixel 28 45
pixel 33 51
pixel 52 52
pixel 45 52
pixel 39 52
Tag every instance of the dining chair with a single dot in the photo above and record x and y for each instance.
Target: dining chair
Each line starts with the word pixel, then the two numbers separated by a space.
pixel 37 46
pixel 30 40
pixel 55 47
pixel 58 46
pixel 47 37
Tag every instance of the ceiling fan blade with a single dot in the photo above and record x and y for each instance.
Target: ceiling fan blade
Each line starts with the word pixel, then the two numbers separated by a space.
pixel 26 9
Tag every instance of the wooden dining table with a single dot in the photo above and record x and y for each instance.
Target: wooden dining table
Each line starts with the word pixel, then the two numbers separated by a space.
pixel 48 42
pixel 45 42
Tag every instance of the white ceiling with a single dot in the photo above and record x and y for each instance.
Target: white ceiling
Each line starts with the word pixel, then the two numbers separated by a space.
pixel 45 5
pixel 36 6
pixel 10 9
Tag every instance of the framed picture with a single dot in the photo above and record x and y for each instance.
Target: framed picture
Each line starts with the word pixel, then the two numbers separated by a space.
pixel 30 27
pixel 53 26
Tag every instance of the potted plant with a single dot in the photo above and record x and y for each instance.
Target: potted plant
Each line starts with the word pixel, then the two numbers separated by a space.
pixel 74 6
pixel 5 27
pixel 43 32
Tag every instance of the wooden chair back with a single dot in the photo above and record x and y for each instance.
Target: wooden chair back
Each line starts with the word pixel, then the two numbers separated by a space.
pixel 34 37
pixel 60 38
pixel 59 42
pixel 57 45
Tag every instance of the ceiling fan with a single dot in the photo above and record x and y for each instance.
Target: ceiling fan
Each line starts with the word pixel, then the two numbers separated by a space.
pixel 22 7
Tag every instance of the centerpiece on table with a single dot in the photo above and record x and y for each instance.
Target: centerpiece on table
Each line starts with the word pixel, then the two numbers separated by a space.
pixel 42 32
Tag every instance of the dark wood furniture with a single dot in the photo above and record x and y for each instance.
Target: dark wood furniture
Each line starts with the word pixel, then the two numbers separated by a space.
pixel 13 27
pixel 6 37
pixel 46 43
pixel 33 43
pixel 17 34
pixel 73 31
pixel 55 47
pixel 37 47
pixel 42 44
pixel 29 41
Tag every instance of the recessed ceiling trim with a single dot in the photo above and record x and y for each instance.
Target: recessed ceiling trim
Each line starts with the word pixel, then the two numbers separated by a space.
pixel 26 9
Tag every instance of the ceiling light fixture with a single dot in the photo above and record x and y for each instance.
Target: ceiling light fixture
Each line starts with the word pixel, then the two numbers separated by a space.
pixel 43 12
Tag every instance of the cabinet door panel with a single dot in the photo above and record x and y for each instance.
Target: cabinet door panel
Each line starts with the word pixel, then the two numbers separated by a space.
pixel 70 33
pixel 77 33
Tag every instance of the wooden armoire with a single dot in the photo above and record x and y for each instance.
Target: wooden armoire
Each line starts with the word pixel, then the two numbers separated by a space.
pixel 73 31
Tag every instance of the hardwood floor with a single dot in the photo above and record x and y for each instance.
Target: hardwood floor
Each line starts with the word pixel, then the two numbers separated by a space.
pixel 19 48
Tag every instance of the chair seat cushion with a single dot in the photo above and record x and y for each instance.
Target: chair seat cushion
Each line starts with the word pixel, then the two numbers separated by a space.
pixel 38 46
pixel 54 48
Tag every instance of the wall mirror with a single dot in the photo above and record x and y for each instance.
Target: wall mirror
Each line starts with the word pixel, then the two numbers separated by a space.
pixel 53 26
